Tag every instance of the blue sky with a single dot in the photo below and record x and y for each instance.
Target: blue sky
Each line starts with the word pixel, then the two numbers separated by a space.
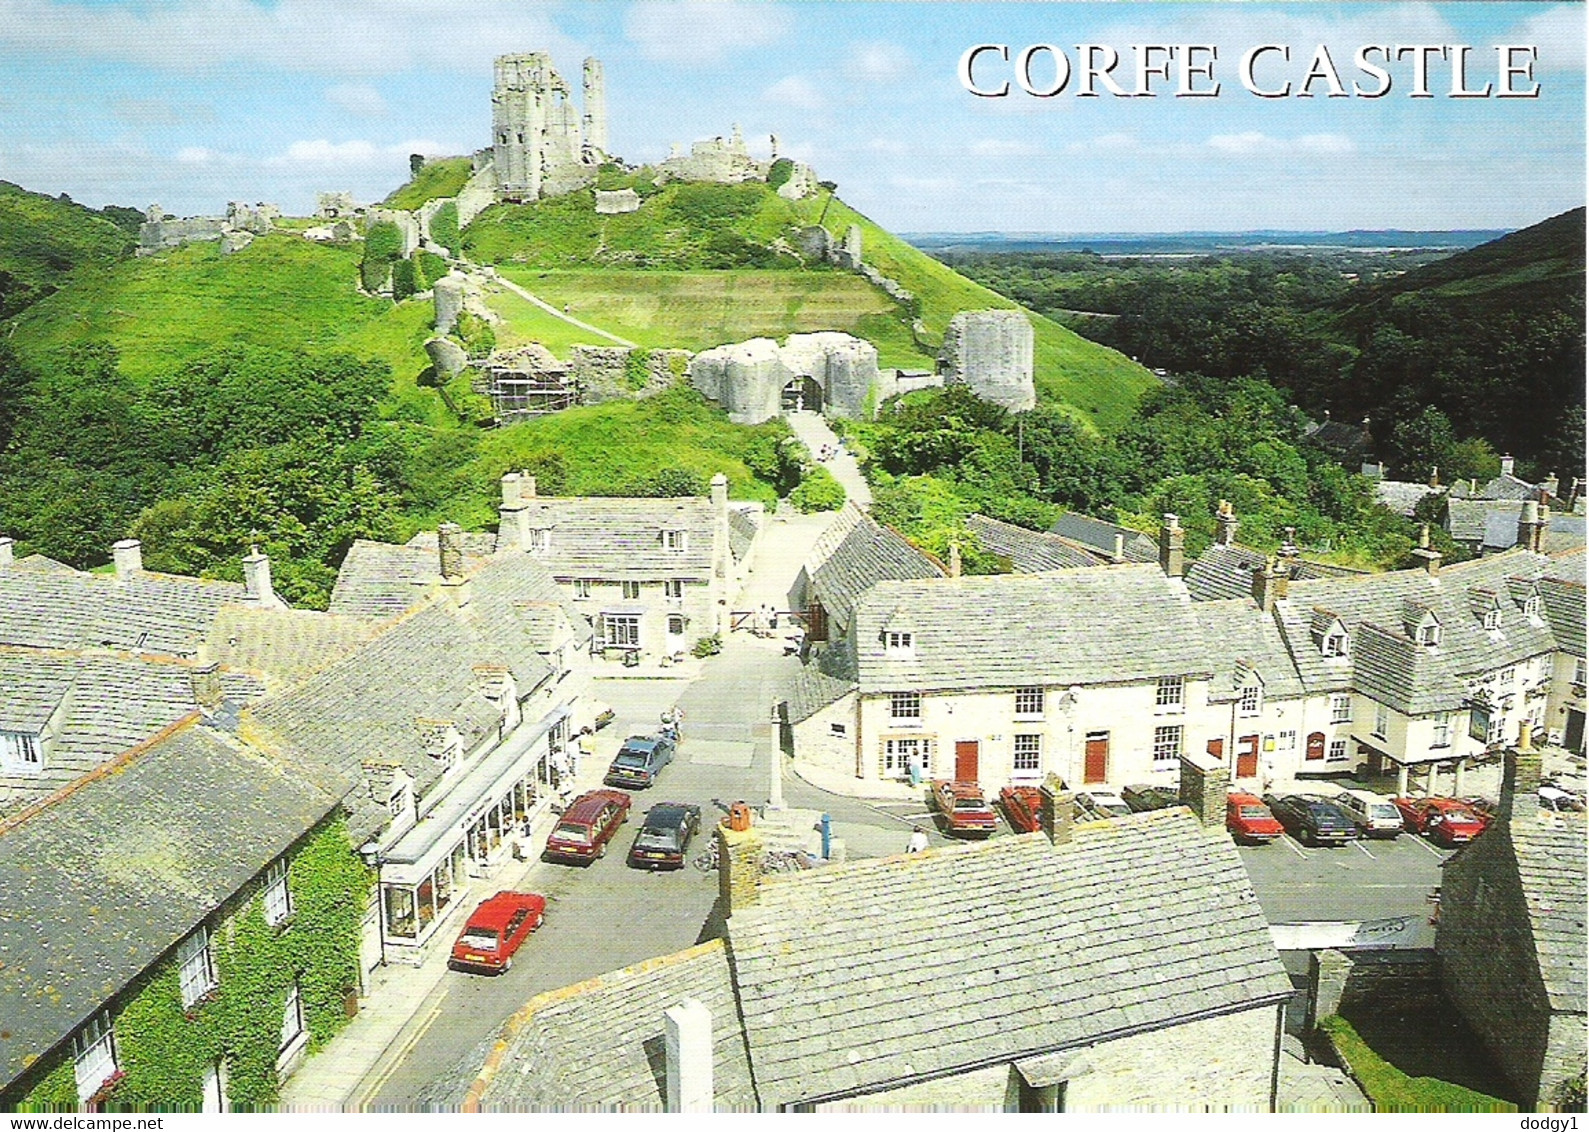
pixel 192 103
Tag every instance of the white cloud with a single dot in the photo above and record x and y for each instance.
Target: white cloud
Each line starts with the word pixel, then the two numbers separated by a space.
pixel 1557 32
pixel 699 32
pixel 1001 147
pixel 357 99
pixel 1254 142
pixel 354 153
pixel 878 62
pixel 795 91
pixel 366 37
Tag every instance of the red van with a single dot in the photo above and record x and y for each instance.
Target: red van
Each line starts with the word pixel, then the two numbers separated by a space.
pixel 1249 821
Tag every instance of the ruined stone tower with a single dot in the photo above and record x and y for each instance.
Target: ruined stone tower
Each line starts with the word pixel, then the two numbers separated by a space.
pixel 537 147
pixel 991 352
pixel 595 111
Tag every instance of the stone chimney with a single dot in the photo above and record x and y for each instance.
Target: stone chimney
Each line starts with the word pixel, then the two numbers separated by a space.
pixel 1507 464
pixel 1120 547
pixel 526 485
pixel 129 558
pixel 1425 555
pixel 1227 523
pixel 1057 813
pixel 449 547
pixel 8 551
pixel 1263 587
pixel 1288 546
pixel 954 559
pixel 738 868
pixel 1172 546
pixel 514 513
pixel 1205 783
pixel 206 683
pixel 1282 589
pixel 687 1046
pixel 512 494
pixel 1434 476
pixel 256 579
pixel 1531 526
pixel 1524 767
pixel 1551 485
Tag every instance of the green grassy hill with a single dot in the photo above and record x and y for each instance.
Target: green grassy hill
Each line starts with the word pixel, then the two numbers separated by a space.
pixel 443 177
pixel 44 239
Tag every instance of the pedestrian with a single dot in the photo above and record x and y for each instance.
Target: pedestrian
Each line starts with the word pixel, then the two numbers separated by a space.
pixel 918 841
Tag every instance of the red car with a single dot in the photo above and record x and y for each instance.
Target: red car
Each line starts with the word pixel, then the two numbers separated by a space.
pixel 1023 807
pixel 1445 821
pixel 1249 821
pixel 965 811
pixel 582 833
pixel 495 930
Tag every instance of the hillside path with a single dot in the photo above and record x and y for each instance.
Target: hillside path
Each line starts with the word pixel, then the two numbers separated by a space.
pixel 568 318
pixel 814 433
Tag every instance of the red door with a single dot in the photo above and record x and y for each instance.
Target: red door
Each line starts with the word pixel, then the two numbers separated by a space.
pixel 1097 766
pixel 966 760
pixel 1247 756
pixel 1315 746
pixel 1216 747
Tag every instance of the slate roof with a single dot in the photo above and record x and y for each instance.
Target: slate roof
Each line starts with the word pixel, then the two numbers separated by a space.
pixel 1395 670
pixel 621 538
pixel 98 706
pixel 821 682
pixel 378 579
pixel 281 646
pixel 598 1046
pixel 147 612
pixel 1563 603
pixel 1226 571
pixel 1550 865
pixel 1239 636
pixel 1504 486
pixel 867 554
pixel 744 523
pixel 860 976
pixel 1346 442
pixel 1567 564
pixel 1031 552
pixel 1403 496
pixel 1002 631
pixel 1099 536
pixel 106 880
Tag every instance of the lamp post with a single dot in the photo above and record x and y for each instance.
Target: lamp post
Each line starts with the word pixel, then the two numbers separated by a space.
pixel 775 796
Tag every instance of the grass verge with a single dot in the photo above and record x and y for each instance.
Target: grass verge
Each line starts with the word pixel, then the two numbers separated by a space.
pixel 1391 1090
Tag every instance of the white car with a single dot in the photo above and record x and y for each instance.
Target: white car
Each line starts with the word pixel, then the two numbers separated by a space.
pixel 1100 804
pixel 1375 814
pixel 1556 799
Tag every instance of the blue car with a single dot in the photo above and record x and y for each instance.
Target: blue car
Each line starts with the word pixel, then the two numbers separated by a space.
pixel 640 760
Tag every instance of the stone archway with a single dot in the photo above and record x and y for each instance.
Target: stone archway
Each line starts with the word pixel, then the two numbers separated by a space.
pixel 802 392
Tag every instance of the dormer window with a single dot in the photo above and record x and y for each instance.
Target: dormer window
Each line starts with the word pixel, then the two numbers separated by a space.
pixel 900 644
pixel 1531 607
pixel 397 804
pixel 538 540
pixel 20 752
pixel 1429 634
pixel 1334 642
pixel 675 541
pixel 1251 700
pixel 1492 620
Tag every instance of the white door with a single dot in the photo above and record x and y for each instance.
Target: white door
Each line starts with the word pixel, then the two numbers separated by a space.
pixel 675 641
pixel 214 1089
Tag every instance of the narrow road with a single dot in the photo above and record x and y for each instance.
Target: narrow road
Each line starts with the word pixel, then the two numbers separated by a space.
pixel 815 434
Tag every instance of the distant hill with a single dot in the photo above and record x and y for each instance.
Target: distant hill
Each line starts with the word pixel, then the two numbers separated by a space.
pixel 44 239
pixel 1199 243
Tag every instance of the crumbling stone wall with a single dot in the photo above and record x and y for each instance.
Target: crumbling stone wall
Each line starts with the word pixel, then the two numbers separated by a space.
pixel 991 353
pixel 617 201
pixel 335 206
pixel 538 140
pixel 406 222
pixel 748 378
pixel 236 230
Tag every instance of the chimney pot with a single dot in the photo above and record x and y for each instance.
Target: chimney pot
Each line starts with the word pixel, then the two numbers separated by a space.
pixel 7 550
pixel 1058 812
pixel 1120 547
pixel 206 684
pixel 256 578
pixel 1172 546
pixel 1507 464
pixel 739 867
pixel 1227 523
pixel 526 485
pixel 128 554
pixel 954 559
pixel 1434 476
pixel 449 547
pixel 1263 587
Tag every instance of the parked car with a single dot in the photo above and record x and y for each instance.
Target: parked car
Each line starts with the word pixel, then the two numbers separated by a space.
pixel 1312 819
pixel 1445 821
pixel 1094 804
pixel 1023 808
pixel 964 808
pixel 495 930
pixel 1559 801
pixel 1249 821
pixel 582 833
pixel 1143 798
pixel 664 838
pixel 639 760
pixel 1375 814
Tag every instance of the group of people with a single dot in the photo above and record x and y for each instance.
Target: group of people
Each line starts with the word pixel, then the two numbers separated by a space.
pixel 764 622
pixel 828 451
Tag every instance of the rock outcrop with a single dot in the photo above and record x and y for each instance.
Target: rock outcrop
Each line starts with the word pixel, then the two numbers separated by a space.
pixel 611 203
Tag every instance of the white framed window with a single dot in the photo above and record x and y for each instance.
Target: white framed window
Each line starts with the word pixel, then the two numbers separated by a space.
pixel 904 705
pixel 838 730
pixel 20 752
pixel 1334 643
pixel 1286 741
pixel 195 966
pixel 397 804
pixel 899 644
pixel 674 541
pixel 1337 750
pixel 1507 675
pixel 1531 607
pixel 1029 702
pixel 1492 619
pixel 1442 730
pixel 1167 743
pixel 1497 730
pixel 1170 693
pixel 278 897
pixel 291 1019
pixel 1580 672
pixel 1251 700
pixel 1340 708
pixel 1381 721
pixel 675 624
pixel 900 754
pixel 673 589
pixel 1028 758
pixel 540 541
pixel 631 591
pixel 1429 635
pixel 581 587
pixel 94 1055
pixel 621 630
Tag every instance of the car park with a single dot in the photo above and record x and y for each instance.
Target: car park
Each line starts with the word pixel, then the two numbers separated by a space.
pixel 1143 798
pixel 1375 814
pixel 1249 821
pixel 639 760
pixel 1023 808
pixel 1094 804
pixel 964 808
pixel 1445 821
pixel 664 836
pixel 495 930
pixel 589 822
pixel 1312 818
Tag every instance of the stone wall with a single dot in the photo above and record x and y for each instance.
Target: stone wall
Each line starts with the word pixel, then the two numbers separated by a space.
pixel 156 235
pixel 617 201
pixel 747 378
pixel 1405 983
pixel 603 371
pixel 991 353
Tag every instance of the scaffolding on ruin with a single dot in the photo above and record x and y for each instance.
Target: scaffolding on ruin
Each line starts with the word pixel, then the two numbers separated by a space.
pixel 516 396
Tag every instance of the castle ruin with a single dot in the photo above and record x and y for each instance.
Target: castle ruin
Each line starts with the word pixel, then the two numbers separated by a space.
pixel 541 146
pixel 755 380
pixel 991 353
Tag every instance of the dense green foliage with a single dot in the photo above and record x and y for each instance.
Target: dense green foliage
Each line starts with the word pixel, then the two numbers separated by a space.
pixel 779 172
pixel 435 179
pixel 444 228
pixel 1391 1090
pixel 1449 361
pixel 383 247
pixel 818 491
pixel 43 240
pixel 164 1048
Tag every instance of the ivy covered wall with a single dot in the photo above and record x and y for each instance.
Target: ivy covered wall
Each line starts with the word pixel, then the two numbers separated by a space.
pixel 164 1050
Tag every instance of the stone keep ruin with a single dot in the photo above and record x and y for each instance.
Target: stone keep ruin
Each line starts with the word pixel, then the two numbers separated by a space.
pixel 541 146
pixel 990 352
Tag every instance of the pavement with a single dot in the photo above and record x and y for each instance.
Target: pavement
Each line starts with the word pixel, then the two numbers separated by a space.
pixel 815 434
